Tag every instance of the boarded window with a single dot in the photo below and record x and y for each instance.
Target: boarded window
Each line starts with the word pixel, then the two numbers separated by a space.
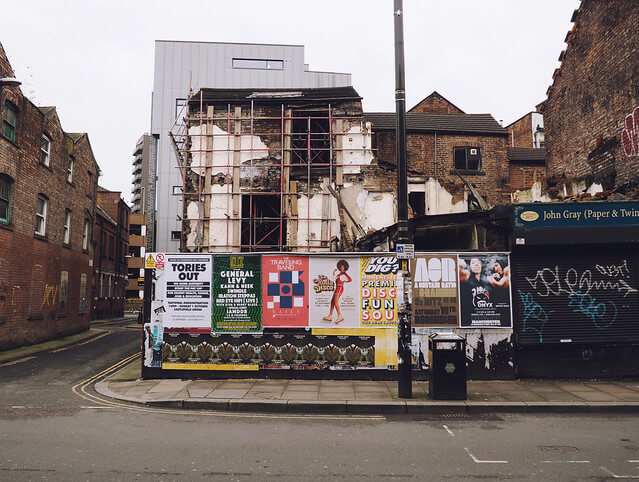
pixel 64 287
pixel 82 308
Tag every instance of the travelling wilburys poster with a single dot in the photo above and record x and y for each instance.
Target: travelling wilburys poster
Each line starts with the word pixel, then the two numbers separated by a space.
pixel 435 283
pixel 334 292
pixel 285 291
pixel 237 290
pixel 378 291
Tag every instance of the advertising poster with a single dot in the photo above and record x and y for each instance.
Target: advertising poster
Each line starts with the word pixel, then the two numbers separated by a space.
pixel 435 290
pixel 184 285
pixel 378 291
pixel 484 290
pixel 237 290
pixel 334 292
pixel 285 291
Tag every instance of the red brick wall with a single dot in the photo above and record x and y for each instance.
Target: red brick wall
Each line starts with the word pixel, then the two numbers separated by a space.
pixel 31 265
pixel 592 93
pixel 435 104
pixel 492 181
pixel 520 131
pixel 523 176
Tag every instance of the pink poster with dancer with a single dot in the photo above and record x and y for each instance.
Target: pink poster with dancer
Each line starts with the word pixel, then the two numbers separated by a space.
pixel 334 292
pixel 285 291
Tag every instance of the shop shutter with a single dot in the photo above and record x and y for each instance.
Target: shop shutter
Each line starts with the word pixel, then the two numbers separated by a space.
pixel 575 294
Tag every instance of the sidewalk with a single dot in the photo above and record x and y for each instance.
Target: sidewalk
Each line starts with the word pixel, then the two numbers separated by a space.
pixel 376 397
pixel 30 350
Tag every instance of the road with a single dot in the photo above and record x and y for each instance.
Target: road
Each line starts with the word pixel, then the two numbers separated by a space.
pixel 48 432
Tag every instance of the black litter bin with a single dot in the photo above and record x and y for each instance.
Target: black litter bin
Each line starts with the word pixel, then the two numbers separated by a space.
pixel 447 360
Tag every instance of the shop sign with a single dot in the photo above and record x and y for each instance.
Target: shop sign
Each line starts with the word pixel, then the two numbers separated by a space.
pixel 575 215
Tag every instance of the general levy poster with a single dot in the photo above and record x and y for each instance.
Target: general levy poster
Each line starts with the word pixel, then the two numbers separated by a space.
pixel 435 290
pixel 378 291
pixel 285 291
pixel 334 292
pixel 237 289
pixel 484 290
pixel 184 285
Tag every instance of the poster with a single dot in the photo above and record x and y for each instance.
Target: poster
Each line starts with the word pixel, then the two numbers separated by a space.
pixel 484 290
pixel 184 286
pixel 237 290
pixel 285 291
pixel 378 291
pixel 334 293
pixel 435 289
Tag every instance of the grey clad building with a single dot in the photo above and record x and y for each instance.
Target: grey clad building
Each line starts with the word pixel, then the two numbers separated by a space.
pixel 183 66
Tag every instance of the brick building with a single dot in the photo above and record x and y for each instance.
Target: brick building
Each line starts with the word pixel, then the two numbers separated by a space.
pixel 526 152
pixel 591 132
pixel 48 182
pixel 111 235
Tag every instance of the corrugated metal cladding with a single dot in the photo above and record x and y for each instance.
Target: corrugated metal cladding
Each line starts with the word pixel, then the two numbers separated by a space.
pixel 568 294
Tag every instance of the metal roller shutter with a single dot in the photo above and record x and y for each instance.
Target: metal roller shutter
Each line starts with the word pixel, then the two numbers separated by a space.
pixel 576 294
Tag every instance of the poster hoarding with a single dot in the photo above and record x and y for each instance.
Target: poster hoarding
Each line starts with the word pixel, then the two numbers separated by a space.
pixel 378 291
pixel 484 290
pixel 285 291
pixel 237 290
pixel 435 290
pixel 334 293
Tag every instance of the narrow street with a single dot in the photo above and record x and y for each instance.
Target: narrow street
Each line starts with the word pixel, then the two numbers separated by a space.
pixel 100 440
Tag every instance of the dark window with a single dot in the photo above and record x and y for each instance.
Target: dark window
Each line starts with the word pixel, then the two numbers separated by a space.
pixel 311 138
pixel 417 202
pixel 467 158
pixel 176 234
pixel 10 122
pixel 258 64
pixel 5 197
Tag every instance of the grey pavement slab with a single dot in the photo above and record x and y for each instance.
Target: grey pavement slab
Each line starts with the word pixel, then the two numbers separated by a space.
pixel 227 393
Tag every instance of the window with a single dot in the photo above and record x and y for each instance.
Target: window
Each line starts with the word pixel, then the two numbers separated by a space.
pixel 101 286
pixel 467 158
pixel 10 122
pixel 180 111
pixel 41 215
pixel 5 198
pixel 177 190
pixel 176 234
pixel 70 170
pixel 45 151
pixel 64 289
pixel 66 235
pixel 82 308
pixel 85 234
pixel 258 64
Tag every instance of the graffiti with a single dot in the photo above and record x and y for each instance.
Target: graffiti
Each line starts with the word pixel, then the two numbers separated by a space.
pixel 50 298
pixel 630 135
pixel 602 314
pixel 548 281
pixel 8 298
pixel 534 312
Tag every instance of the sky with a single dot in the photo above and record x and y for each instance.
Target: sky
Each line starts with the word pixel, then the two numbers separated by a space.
pixel 93 59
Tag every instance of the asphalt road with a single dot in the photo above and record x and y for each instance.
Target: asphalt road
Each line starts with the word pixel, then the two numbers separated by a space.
pixel 48 432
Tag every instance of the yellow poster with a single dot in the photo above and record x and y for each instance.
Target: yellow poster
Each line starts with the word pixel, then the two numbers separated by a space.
pixel 378 291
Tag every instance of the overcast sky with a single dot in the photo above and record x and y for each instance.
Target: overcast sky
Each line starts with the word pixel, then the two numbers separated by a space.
pixel 94 59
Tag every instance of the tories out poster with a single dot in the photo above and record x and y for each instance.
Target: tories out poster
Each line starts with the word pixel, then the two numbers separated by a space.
pixel 378 291
pixel 334 293
pixel 184 285
pixel 484 290
pixel 435 285
pixel 285 291
pixel 237 290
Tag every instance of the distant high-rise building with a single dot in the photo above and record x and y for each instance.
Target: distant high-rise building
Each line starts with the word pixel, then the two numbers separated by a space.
pixel 184 66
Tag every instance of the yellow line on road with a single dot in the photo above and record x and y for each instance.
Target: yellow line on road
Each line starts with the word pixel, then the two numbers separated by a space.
pixel 15 362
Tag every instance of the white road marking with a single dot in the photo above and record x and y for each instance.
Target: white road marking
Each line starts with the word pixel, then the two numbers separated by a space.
pixel 96 407
pixel 565 461
pixel 449 431
pixel 18 406
pixel 615 476
pixel 634 461
pixel 477 461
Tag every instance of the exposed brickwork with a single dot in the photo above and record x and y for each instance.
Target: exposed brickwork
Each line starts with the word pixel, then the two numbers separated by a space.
pixel 521 132
pixel 524 176
pixel 593 91
pixel 435 104
pixel 32 302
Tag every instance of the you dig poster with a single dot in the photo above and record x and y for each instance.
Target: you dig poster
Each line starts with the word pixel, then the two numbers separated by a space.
pixel 285 291
pixel 334 292
pixel 378 284
pixel 237 289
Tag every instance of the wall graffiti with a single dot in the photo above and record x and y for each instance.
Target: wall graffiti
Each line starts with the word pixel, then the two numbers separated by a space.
pixel 533 313
pixel 50 299
pixel 630 134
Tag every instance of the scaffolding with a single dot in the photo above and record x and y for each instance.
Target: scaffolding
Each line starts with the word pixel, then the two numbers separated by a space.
pixel 264 173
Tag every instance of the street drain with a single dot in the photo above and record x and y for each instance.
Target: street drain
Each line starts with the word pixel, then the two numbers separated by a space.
pixel 562 449
pixel 455 415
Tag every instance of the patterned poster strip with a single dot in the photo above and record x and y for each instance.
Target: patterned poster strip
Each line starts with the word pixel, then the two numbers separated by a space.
pixel 285 291
pixel 484 290
pixel 334 293
pixel 435 290
pixel 378 283
pixel 237 290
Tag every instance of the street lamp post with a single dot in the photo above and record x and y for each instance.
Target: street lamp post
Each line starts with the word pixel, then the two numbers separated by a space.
pixel 404 368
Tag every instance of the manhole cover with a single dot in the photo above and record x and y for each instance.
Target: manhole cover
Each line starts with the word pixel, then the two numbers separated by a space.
pixel 562 449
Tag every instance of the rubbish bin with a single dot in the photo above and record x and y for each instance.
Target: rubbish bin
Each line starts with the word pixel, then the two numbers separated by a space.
pixel 447 360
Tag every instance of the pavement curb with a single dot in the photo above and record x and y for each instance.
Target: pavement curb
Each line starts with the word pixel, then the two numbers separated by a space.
pixel 372 407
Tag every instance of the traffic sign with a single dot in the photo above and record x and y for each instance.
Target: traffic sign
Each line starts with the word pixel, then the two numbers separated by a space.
pixel 405 251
